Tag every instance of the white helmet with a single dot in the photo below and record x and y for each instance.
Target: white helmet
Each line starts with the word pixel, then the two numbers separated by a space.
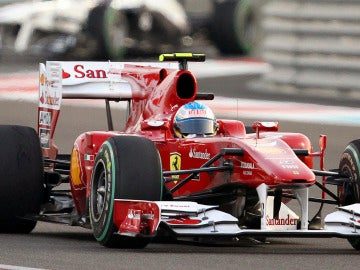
pixel 196 119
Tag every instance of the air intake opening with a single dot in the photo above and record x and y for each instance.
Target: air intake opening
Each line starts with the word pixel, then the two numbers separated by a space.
pixel 185 87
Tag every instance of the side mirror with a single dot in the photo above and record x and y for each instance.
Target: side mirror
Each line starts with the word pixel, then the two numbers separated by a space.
pixel 264 126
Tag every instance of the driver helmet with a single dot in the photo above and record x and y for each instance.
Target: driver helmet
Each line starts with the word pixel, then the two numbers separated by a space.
pixel 193 119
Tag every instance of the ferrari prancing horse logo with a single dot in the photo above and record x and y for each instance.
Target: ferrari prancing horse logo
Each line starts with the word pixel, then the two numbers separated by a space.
pixel 175 164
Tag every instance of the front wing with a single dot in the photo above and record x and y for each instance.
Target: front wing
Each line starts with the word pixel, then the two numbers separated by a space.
pixel 191 219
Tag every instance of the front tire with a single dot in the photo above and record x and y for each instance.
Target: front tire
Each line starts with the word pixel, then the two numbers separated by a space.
pixel 126 167
pixel 21 178
pixel 349 193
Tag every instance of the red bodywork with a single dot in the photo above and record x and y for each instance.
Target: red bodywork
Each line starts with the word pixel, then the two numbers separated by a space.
pixel 157 93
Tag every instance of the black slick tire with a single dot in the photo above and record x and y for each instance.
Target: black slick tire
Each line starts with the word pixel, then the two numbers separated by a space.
pixel 126 167
pixel 349 193
pixel 21 178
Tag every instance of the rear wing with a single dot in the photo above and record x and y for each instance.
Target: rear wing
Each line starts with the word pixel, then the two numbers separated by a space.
pixel 99 80
pixel 89 80
pixel 81 80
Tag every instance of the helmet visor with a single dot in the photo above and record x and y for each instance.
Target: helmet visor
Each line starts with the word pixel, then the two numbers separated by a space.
pixel 196 126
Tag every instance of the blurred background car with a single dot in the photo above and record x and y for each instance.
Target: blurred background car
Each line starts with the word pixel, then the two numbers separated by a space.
pixel 88 28
pixel 233 26
pixel 111 29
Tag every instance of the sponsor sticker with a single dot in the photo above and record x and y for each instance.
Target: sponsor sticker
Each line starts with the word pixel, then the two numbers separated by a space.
pixel 45 138
pixel 175 164
pixel 45 118
pixel 50 86
pixel 183 221
pixel 247 165
pixel 193 153
pixel 286 221
pixel 75 169
pixel 88 157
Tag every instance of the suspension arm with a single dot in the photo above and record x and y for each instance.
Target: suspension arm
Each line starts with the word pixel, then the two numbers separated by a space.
pixel 223 152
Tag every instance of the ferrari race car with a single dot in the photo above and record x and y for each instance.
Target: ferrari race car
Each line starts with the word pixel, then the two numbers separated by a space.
pixel 174 171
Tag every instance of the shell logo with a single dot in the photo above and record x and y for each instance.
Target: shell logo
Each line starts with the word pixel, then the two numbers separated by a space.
pixel 42 79
pixel 75 169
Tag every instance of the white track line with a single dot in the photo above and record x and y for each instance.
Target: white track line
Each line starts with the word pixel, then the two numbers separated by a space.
pixel 13 267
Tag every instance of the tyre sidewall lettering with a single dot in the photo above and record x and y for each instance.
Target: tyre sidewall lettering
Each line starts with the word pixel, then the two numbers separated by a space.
pixel 354 160
pixel 350 163
pixel 102 227
pixel 355 164
pixel 350 192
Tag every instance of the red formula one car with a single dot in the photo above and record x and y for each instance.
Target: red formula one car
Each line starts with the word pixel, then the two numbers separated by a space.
pixel 174 171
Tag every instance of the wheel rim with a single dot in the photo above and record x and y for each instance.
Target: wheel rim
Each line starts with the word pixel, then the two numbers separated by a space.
pixel 349 193
pixel 99 193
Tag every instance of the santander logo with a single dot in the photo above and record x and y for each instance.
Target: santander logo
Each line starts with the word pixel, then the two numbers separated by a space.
pixel 198 154
pixel 281 221
pixel 81 72
pixel 65 75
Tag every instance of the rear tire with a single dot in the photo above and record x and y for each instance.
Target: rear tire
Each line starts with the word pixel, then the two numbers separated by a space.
pixel 21 178
pixel 126 167
pixel 349 193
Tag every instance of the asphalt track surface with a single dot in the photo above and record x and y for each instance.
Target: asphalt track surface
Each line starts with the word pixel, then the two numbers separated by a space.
pixel 52 246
